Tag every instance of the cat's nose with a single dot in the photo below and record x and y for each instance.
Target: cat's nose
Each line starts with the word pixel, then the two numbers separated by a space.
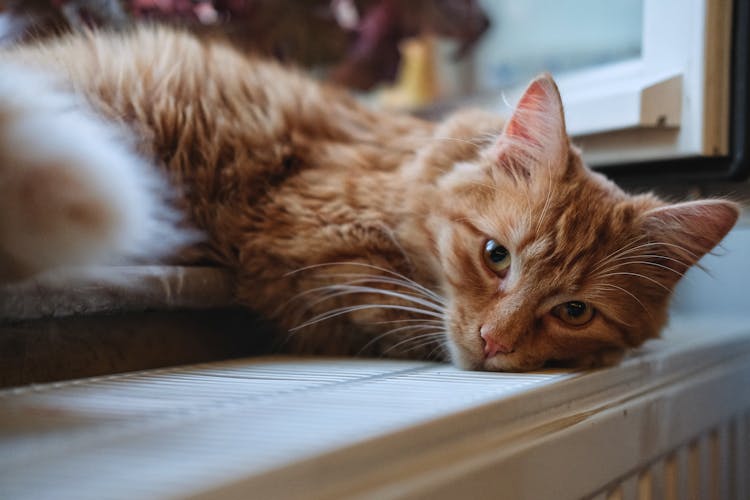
pixel 491 345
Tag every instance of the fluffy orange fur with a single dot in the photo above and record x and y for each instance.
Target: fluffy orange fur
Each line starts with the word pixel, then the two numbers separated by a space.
pixel 361 231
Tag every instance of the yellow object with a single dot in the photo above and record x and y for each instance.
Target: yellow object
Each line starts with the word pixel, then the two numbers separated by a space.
pixel 416 81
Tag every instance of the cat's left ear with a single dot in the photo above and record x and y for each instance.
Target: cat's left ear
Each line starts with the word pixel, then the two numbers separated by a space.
pixel 685 232
pixel 536 131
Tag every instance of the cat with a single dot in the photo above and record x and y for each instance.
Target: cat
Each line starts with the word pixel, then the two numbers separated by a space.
pixel 482 241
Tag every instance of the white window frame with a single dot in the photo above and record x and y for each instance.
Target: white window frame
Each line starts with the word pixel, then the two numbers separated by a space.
pixel 672 102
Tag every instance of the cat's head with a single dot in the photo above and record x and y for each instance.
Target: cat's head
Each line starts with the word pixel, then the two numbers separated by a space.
pixel 546 260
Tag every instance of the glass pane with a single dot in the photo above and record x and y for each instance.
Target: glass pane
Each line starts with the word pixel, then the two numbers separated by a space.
pixel 531 36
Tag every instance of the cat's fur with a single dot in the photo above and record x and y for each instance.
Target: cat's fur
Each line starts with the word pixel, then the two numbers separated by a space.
pixel 322 206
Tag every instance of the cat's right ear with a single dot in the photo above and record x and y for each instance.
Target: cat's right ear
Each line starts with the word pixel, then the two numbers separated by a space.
pixel 535 134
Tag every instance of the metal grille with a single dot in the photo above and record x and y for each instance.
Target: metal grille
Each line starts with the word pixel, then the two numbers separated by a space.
pixel 714 465
pixel 171 432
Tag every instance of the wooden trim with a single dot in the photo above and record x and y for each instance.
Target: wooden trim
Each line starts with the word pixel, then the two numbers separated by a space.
pixel 716 90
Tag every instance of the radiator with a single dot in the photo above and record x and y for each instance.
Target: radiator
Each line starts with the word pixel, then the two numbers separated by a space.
pixel 672 421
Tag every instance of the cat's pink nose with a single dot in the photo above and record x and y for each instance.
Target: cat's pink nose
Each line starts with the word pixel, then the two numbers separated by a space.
pixel 491 345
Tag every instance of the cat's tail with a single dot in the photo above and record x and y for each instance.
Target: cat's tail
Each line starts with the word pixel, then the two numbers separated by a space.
pixel 73 192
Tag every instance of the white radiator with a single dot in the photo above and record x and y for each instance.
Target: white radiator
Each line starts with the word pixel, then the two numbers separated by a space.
pixel 673 422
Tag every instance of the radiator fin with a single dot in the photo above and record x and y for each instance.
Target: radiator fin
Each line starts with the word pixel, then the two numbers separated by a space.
pixel 186 429
pixel 713 465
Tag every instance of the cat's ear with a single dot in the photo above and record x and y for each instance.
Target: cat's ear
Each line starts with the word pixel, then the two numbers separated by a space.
pixel 685 232
pixel 536 131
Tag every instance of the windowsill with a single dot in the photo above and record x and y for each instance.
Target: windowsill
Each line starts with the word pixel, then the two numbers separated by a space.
pixel 119 319
pixel 110 290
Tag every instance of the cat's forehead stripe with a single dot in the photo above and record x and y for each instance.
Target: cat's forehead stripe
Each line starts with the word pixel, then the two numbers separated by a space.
pixel 534 247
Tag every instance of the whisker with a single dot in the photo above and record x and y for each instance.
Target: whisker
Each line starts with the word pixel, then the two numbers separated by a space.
pixel 654 256
pixel 427 321
pixel 624 258
pixel 439 349
pixel 615 254
pixel 365 265
pixel 433 337
pixel 336 293
pixel 354 290
pixel 361 307
pixel 422 343
pixel 638 275
pixel 373 278
pixel 626 251
pixel 644 262
pixel 391 332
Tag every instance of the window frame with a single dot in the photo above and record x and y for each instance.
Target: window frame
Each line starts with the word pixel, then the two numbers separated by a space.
pixel 671 102
pixel 734 165
pixel 661 116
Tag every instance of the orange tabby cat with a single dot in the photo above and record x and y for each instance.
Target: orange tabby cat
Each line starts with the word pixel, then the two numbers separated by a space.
pixel 356 230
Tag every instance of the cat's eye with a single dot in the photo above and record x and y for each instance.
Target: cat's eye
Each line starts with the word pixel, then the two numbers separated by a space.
pixel 574 313
pixel 496 256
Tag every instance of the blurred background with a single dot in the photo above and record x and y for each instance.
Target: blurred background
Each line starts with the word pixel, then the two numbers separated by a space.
pixel 652 89
pixel 435 50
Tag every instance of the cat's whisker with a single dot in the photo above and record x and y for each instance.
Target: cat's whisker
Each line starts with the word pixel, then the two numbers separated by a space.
pixel 316 290
pixel 643 262
pixel 345 289
pixel 627 251
pixel 637 275
pixel 361 307
pixel 440 348
pixel 431 337
pixel 368 266
pixel 411 320
pixel 427 338
pixel 422 343
pixel 373 278
pixel 653 256
pixel 333 295
pixel 675 246
pixel 634 255
pixel 615 254
pixel 375 339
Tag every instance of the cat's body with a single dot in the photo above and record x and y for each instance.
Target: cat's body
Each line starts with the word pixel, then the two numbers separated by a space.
pixel 318 204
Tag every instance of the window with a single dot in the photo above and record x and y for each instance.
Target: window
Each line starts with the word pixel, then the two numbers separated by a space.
pixel 641 80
